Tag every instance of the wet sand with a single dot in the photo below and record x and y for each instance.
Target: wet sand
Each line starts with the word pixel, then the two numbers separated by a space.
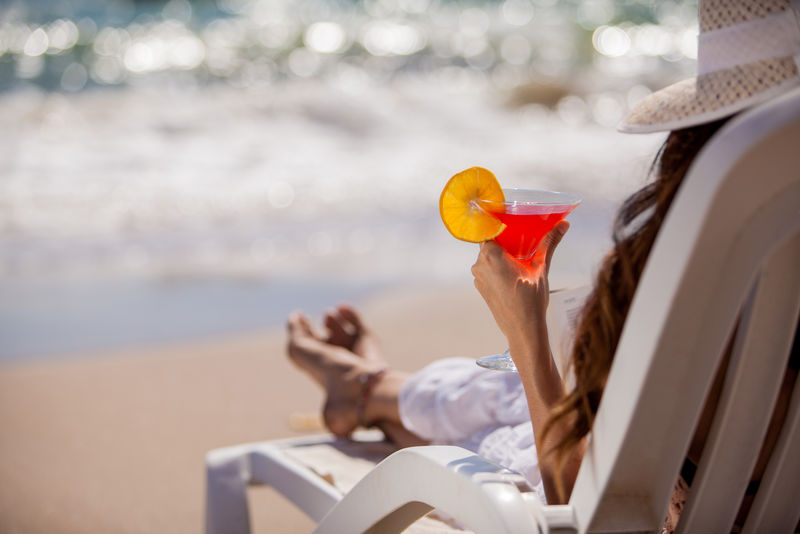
pixel 114 442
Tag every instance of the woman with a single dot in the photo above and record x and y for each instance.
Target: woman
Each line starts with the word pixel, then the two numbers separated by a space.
pixel 528 422
pixel 455 401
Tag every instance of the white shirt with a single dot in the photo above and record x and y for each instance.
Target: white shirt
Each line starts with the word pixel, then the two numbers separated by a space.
pixel 455 402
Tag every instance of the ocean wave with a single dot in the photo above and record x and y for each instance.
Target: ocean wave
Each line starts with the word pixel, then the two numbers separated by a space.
pixel 336 179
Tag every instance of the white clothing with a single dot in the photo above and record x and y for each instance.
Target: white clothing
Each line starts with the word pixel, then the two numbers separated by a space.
pixel 455 402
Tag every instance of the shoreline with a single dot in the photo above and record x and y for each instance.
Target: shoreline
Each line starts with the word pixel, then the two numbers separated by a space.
pixel 90 316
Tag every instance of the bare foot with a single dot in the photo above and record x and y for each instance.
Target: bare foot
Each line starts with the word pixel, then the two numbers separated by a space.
pixel 346 329
pixel 333 366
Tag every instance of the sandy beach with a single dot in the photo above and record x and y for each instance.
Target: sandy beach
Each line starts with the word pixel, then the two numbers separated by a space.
pixel 114 442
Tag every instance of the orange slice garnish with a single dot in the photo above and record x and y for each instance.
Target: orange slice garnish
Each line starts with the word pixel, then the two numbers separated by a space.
pixel 459 208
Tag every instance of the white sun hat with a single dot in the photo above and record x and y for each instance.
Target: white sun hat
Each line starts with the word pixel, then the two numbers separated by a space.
pixel 748 51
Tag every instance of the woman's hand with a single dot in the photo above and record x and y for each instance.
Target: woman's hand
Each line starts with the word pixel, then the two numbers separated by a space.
pixel 517 294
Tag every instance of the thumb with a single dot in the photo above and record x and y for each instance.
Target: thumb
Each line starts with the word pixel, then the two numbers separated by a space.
pixel 551 241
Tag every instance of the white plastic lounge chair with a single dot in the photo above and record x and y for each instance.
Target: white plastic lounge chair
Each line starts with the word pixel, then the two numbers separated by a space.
pixel 727 259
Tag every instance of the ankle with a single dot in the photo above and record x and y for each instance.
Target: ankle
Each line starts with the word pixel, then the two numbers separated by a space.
pixel 366 412
pixel 383 402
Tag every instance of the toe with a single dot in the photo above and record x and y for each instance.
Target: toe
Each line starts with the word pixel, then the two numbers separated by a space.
pixel 298 324
pixel 350 315
pixel 365 343
pixel 339 331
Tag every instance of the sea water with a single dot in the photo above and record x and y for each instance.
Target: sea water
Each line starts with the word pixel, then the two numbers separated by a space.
pixel 169 170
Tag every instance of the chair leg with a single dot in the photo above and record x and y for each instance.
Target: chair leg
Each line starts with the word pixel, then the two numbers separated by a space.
pixel 227 476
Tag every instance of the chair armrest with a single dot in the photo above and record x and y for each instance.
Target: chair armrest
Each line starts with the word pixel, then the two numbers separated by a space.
pixel 482 496
pixel 230 470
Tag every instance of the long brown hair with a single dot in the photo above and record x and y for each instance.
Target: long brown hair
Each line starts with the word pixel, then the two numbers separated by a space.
pixel 636 226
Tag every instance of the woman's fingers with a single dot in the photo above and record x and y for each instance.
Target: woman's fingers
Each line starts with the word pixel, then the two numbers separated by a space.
pixel 488 257
pixel 489 248
pixel 493 259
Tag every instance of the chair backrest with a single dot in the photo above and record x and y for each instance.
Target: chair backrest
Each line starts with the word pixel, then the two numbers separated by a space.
pixel 726 262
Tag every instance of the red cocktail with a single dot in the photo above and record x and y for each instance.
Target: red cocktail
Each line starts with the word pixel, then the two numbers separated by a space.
pixel 528 215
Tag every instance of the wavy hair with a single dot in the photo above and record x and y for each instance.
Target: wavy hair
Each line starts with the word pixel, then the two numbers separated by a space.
pixel 603 316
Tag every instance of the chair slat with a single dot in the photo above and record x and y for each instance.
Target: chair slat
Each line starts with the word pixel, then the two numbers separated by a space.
pixel 736 206
pixel 776 507
pixel 748 398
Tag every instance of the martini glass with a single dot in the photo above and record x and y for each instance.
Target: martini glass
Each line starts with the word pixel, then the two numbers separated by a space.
pixel 528 214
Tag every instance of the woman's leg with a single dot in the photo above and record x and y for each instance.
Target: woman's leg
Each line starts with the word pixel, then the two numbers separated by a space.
pixel 341 362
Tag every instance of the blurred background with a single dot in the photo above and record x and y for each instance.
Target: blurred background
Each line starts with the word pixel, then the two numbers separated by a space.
pixel 177 176
pixel 188 168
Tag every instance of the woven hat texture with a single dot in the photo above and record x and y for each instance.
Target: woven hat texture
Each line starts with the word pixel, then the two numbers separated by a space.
pixel 732 33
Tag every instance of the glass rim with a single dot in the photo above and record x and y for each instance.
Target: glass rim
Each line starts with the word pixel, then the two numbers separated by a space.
pixel 564 199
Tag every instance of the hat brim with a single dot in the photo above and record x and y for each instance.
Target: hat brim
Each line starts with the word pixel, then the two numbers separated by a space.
pixel 711 96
